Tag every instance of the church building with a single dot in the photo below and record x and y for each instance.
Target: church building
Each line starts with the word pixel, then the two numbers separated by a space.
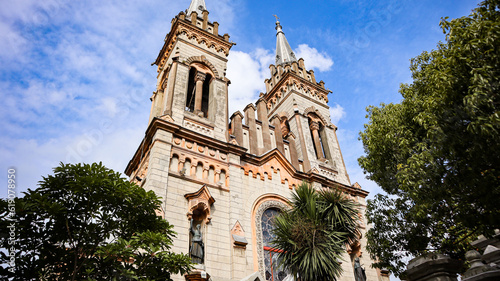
pixel 223 177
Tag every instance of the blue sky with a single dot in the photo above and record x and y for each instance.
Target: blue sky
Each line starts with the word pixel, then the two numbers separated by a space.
pixel 75 76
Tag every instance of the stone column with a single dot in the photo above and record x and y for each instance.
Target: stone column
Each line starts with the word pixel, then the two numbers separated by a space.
pixel 205 172
pixel 217 176
pixel 181 166
pixel 317 143
pixel 193 168
pixel 199 79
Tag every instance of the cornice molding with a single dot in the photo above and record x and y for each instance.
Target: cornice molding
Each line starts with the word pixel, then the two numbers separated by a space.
pixel 290 78
pixel 230 148
pixel 180 132
pixel 184 26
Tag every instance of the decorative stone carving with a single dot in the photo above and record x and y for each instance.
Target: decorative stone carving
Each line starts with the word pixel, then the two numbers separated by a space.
pixel 197 275
pixel 200 76
pixel 199 128
pixel 313 113
pixel 270 167
pixel 167 118
pixel 200 203
pixel 314 126
pixel 258 229
pixel 203 60
pixel 485 267
pixel 238 236
pixel 285 127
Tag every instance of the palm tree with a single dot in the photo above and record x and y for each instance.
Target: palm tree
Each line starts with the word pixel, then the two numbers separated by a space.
pixel 312 234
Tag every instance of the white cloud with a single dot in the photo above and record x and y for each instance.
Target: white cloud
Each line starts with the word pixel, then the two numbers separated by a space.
pixel 313 58
pixel 71 66
pixel 247 73
pixel 336 113
pixel 34 158
pixel 12 43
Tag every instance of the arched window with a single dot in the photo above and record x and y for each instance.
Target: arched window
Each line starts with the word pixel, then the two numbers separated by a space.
pixel 318 136
pixel 272 271
pixel 198 91
pixel 191 90
pixel 206 95
pixel 316 128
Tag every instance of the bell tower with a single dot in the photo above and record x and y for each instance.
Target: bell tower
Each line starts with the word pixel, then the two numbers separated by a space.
pixel 298 104
pixel 192 87
pixel 220 183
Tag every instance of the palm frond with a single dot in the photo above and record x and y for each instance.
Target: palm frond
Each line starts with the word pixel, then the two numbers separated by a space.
pixel 313 233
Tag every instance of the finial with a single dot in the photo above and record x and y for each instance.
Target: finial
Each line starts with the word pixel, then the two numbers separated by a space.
pixel 276 17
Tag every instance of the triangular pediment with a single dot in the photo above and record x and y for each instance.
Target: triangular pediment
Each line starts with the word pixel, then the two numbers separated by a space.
pixel 203 194
pixel 238 229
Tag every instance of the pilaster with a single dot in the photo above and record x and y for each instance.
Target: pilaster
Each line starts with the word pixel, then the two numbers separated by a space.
pixel 250 122
pixel 277 134
pixel 262 116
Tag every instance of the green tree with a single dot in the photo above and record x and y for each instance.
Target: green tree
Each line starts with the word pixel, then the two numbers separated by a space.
pixel 86 222
pixel 314 232
pixel 436 153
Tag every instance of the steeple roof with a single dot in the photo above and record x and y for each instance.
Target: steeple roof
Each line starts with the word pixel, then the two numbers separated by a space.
pixel 197 6
pixel 284 53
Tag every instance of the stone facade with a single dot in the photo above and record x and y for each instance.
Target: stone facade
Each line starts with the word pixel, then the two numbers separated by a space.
pixel 225 170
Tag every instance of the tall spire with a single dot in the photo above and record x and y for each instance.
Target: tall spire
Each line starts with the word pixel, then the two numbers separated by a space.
pixel 197 6
pixel 284 53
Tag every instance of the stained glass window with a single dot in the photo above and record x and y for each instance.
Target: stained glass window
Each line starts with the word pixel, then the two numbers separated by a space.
pixel 273 271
